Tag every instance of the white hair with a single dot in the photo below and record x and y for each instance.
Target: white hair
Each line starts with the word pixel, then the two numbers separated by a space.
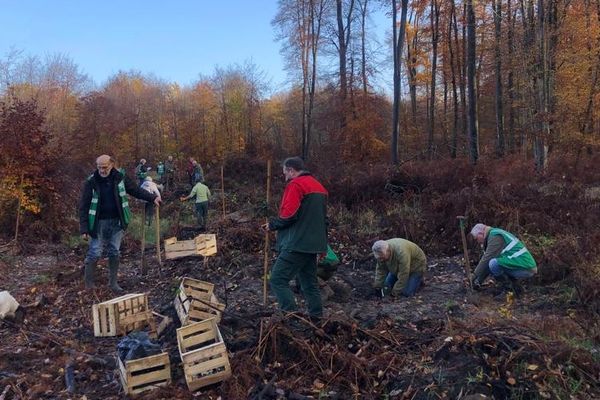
pixel 380 247
pixel 148 178
pixel 477 229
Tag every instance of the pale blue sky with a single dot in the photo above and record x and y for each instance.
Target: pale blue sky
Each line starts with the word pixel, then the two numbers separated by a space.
pixel 174 40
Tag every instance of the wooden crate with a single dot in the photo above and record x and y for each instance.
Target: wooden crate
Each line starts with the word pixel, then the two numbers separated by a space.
pixel 122 315
pixel 203 354
pixel 191 302
pixel 145 373
pixel 202 245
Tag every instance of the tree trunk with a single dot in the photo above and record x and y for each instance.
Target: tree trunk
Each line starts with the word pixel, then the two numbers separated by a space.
pixel 472 115
pixel 398 45
pixel 435 17
pixel 510 83
pixel 462 73
pixel 363 39
pixel 343 34
pixel 497 6
pixel 543 132
pixel 412 72
pixel 454 92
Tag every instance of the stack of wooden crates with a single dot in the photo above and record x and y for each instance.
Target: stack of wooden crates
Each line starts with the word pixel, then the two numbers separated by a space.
pixel 201 347
pixel 120 316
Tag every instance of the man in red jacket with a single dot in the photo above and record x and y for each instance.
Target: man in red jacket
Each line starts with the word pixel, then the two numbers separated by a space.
pixel 301 235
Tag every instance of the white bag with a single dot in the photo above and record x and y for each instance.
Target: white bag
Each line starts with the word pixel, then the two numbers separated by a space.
pixel 8 305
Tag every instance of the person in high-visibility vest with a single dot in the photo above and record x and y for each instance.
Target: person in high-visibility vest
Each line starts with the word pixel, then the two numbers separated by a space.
pixel 505 257
pixel 104 215
pixel 160 171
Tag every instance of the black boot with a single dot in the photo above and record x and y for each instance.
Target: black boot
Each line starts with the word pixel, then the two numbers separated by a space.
pixel 476 285
pixel 113 269
pixel 505 285
pixel 516 287
pixel 88 274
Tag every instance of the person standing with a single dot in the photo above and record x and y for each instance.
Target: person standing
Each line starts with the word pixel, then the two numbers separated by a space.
pixel 170 173
pixel 505 257
pixel 104 215
pixel 141 171
pixel 400 267
pixel 190 170
pixel 160 171
pixel 198 172
pixel 202 194
pixel 301 235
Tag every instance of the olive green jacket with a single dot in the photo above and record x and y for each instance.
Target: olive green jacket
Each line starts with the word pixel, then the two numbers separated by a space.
pixel 406 258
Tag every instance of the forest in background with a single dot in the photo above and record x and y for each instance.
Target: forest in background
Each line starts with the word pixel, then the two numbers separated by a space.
pixel 498 90
pixel 492 114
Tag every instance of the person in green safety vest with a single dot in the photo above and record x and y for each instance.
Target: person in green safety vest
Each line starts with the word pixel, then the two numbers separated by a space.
pixel 505 257
pixel 327 264
pixel 104 215
pixel 141 171
pixel 160 171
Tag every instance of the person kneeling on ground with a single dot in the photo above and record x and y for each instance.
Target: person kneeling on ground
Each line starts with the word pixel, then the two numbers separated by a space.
pixel 505 257
pixel 400 267
pixel 327 265
pixel 202 194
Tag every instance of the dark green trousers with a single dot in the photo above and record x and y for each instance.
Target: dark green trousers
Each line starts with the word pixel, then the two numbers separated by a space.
pixel 303 266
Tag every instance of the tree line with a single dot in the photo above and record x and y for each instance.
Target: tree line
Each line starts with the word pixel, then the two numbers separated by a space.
pixel 470 78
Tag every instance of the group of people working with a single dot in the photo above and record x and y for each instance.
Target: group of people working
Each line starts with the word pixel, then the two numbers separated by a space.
pixel 301 226
pixel 104 211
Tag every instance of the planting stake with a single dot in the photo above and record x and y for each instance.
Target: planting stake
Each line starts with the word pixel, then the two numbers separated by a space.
pixel 461 224
pixel 266 262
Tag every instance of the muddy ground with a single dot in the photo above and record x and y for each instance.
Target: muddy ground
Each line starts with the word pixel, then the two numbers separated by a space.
pixel 444 343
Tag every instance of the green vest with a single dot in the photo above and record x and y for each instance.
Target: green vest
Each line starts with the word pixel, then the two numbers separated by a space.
pixel 514 254
pixel 160 169
pixel 140 172
pixel 124 203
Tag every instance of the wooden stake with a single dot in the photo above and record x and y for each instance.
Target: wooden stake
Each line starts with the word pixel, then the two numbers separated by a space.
pixel 461 224
pixel 20 199
pixel 158 236
pixel 223 188
pixel 144 270
pixel 266 263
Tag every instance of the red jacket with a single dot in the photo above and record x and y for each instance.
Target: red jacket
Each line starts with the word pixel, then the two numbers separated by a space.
pixel 302 220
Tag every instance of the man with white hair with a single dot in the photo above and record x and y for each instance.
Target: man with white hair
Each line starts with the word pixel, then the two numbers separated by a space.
pixel 400 267
pixel 505 257
pixel 104 215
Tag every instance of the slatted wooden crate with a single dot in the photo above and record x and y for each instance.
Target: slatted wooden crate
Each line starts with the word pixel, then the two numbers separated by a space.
pixel 196 301
pixel 145 373
pixel 202 245
pixel 122 315
pixel 203 354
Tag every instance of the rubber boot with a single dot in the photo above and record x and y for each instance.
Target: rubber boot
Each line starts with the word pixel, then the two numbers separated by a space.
pixel 113 269
pixel 505 286
pixel 516 287
pixel 88 274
